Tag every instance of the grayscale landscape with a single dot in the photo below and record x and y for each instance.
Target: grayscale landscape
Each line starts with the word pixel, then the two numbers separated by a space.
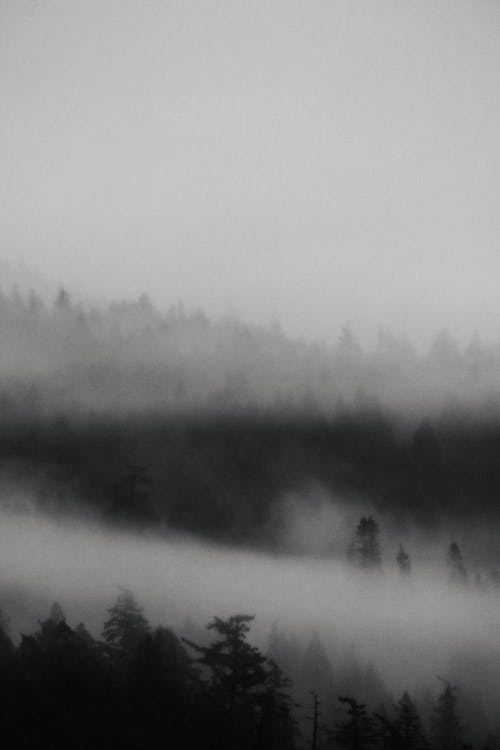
pixel 250 375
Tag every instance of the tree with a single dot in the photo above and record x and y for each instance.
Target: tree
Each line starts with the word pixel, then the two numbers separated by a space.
pixel 241 684
pixel 6 645
pixel 446 724
pixel 408 725
pixel 365 548
pixel 126 624
pixel 428 485
pixel 357 731
pixel 385 734
pixel 62 302
pixel 278 726
pixel 152 691
pixel 316 673
pixel 131 503
pixel 456 567
pixel 314 719
pixel 61 683
pixel 403 560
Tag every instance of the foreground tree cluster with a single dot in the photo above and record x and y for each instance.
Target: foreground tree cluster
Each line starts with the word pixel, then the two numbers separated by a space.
pixel 140 686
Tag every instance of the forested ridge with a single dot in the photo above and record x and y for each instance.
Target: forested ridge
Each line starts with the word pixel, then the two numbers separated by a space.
pixel 155 423
pixel 224 477
pixel 225 419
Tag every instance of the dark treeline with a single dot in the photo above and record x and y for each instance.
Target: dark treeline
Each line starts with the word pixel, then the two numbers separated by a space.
pixel 224 477
pixel 140 686
pixel 221 420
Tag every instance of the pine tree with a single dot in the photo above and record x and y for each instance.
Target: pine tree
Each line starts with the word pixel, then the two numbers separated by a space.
pixel 131 498
pixel 244 688
pixel 357 732
pixel 456 567
pixel 6 645
pixel 126 624
pixel 409 726
pixel 62 302
pixel 403 560
pixel 365 548
pixel 278 725
pixel 446 724
pixel 316 673
pixel 314 719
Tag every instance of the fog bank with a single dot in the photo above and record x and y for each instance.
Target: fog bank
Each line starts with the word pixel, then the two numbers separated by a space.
pixel 410 630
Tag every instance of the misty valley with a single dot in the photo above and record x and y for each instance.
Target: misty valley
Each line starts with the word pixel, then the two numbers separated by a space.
pixel 214 536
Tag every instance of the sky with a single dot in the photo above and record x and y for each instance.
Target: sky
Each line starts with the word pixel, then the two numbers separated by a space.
pixel 316 163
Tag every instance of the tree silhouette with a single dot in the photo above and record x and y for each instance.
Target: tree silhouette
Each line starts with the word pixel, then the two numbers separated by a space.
pixel 131 497
pixel 278 725
pixel 62 302
pixel 357 731
pixel 240 685
pixel 456 567
pixel 126 624
pixel 154 686
pixel 314 719
pixel 60 686
pixel 403 560
pixel 408 725
pixel 316 674
pixel 446 724
pixel 365 548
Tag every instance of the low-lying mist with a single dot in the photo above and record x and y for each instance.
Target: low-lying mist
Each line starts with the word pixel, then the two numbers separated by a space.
pixel 410 629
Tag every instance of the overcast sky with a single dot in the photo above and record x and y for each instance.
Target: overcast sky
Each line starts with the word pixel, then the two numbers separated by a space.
pixel 317 162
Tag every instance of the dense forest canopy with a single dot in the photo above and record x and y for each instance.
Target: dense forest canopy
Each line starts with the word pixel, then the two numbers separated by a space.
pixel 136 684
pixel 225 420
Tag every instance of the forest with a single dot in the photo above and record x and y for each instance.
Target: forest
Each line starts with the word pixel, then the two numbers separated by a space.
pixel 175 421
pixel 142 686
pixel 361 486
pixel 132 681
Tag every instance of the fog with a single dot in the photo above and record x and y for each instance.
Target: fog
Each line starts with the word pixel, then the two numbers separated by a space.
pixel 317 163
pixel 411 630
pixel 249 294
pixel 65 357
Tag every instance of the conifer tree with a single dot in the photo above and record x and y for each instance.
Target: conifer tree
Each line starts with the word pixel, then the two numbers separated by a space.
pixel 357 731
pixel 456 567
pixel 126 624
pixel 314 718
pixel 365 547
pixel 409 726
pixel 446 724
pixel 240 689
pixel 403 560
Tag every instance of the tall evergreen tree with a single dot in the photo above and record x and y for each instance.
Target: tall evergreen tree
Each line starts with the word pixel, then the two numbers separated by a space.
pixel 131 497
pixel 409 726
pixel 240 688
pixel 403 560
pixel 314 718
pixel 456 567
pixel 365 546
pixel 446 723
pixel 357 731
pixel 126 624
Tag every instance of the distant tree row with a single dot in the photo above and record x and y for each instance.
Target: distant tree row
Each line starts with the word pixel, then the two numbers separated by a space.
pixel 189 359
pixel 365 553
